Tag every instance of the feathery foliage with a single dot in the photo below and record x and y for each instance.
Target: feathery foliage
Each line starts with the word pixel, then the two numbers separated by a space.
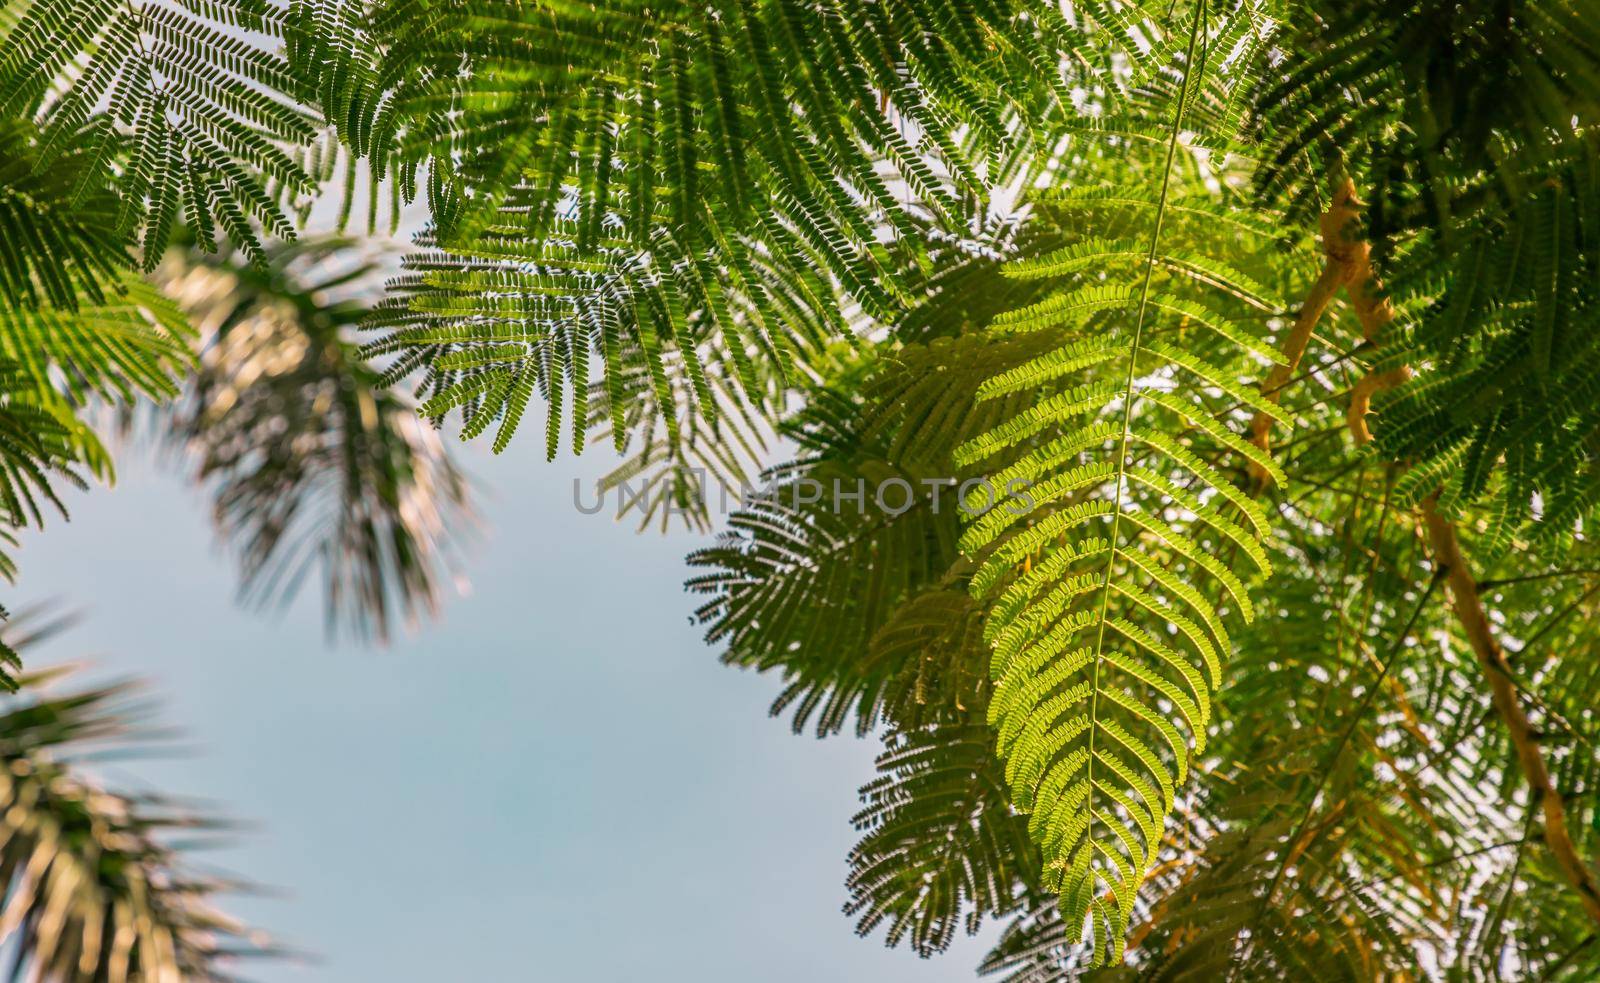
pixel 1353 805
pixel 708 189
pixel 1473 126
pixel 1112 580
pixel 939 836
pixel 196 119
pixel 1180 662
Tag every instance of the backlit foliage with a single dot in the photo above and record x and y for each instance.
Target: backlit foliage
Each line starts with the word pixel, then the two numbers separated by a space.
pixel 1230 365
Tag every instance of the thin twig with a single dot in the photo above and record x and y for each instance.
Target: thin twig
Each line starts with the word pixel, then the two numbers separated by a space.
pixel 1453 858
pixel 1552 575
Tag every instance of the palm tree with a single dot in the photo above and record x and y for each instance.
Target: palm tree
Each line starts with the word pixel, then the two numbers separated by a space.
pixel 96 885
pixel 1257 335
pixel 313 461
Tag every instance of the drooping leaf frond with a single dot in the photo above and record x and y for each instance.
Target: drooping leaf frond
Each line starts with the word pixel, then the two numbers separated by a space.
pixel 74 322
pixel 1112 574
pixel 822 570
pixel 1506 405
pixel 499 323
pixel 1473 126
pixel 724 187
pixel 942 846
pixel 735 114
pixel 58 221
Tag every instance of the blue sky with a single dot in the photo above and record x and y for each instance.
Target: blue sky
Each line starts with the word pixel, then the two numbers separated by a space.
pixel 556 781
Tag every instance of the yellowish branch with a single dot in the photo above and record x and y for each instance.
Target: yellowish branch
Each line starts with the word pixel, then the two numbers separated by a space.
pixel 1328 282
pixel 1469 611
pixel 1361 399
pixel 1294 346
pixel 1348 264
pixel 1374 312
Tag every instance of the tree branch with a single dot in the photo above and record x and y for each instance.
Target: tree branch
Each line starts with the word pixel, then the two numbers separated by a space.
pixel 1321 294
pixel 1348 265
pixel 1469 610
pixel 1374 312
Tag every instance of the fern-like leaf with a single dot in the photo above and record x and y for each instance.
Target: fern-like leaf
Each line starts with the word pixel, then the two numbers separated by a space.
pixel 195 116
pixel 1111 588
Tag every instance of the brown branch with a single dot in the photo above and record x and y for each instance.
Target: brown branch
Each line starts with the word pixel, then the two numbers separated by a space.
pixel 1294 346
pixel 1335 272
pixel 1469 610
pixel 1361 399
pixel 1374 312
pixel 1348 264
